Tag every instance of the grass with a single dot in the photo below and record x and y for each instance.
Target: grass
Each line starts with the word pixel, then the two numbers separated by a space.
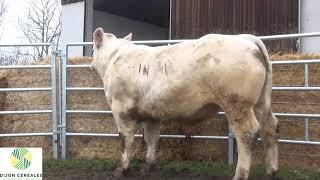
pixel 168 169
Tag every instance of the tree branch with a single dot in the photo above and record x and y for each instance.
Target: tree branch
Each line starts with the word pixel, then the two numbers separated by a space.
pixel 42 23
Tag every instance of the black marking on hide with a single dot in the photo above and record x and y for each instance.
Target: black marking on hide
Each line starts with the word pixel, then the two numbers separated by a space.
pixel 217 60
pixel 145 70
pixel 165 69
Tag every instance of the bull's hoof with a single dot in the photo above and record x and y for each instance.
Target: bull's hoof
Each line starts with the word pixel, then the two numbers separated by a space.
pixel 239 178
pixel 241 174
pixel 273 176
pixel 118 172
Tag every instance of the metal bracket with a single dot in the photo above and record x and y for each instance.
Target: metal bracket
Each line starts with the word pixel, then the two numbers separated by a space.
pixel 61 126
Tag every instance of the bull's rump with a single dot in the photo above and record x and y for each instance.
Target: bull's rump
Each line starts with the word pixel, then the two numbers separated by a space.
pixel 191 77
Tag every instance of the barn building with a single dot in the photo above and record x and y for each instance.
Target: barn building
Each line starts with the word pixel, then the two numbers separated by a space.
pixel 179 19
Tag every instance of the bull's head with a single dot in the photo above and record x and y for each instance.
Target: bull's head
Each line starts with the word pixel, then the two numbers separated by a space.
pixel 104 44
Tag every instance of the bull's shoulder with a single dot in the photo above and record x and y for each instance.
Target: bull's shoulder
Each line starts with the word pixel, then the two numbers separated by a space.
pixel 133 53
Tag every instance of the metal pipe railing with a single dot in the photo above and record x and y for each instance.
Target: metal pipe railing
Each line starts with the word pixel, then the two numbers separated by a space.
pixel 271 37
pixel 25 44
pixel 176 136
pixel 25 112
pixel 26 134
pixel 25 89
pixel 306 119
pixel 54 115
pixel 89 111
pixel 46 66
pixel 286 62
pixel 84 88
pixel 140 135
pixel 281 88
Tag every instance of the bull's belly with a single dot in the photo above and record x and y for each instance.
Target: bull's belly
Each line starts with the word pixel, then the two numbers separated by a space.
pixel 182 111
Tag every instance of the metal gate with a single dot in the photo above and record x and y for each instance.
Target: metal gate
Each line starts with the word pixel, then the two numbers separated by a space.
pixel 59 109
pixel 53 111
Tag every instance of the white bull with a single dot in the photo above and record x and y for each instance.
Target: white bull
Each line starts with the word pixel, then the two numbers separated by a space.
pixel 189 81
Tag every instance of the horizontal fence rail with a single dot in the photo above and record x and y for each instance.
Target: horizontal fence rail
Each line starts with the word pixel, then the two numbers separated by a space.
pixel 281 88
pixel 26 67
pixel 85 88
pixel 267 38
pixel 140 136
pixel 25 89
pixel 26 112
pixel 26 134
pixel 25 45
pixel 174 136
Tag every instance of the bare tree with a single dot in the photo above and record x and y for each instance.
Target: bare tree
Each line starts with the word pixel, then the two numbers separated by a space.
pixel 42 23
pixel 3 10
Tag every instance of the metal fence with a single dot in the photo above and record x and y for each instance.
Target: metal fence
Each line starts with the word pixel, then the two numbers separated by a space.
pixel 53 89
pixel 59 120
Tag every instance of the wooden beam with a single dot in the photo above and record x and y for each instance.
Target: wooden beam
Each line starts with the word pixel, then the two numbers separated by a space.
pixel 64 2
pixel 88 25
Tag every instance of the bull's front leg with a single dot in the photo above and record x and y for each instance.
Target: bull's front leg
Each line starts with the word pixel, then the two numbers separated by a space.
pixel 151 137
pixel 126 129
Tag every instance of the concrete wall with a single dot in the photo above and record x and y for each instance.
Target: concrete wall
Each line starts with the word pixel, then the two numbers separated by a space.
pixel 121 26
pixel 310 15
pixel 73 27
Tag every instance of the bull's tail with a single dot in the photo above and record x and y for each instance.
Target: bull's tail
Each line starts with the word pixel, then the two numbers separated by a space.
pixel 265 97
pixel 268 122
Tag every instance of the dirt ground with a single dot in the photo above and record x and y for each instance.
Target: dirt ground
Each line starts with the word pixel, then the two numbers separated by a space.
pixel 176 170
pixel 154 175
pixel 76 175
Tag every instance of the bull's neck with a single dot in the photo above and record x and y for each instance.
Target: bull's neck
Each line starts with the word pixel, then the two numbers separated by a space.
pixel 111 56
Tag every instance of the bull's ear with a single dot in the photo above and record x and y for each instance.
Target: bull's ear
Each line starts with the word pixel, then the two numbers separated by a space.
pixel 98 37
pixel 128 37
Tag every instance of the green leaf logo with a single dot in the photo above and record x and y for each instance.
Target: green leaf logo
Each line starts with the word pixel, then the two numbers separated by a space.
pixel 20 158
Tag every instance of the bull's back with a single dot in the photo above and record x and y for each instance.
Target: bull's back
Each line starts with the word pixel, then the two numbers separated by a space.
pixel 212 62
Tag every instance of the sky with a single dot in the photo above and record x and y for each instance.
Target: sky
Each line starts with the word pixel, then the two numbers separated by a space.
pixel 9 29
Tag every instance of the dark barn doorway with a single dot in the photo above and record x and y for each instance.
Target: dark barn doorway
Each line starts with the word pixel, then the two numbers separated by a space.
pixel 146 19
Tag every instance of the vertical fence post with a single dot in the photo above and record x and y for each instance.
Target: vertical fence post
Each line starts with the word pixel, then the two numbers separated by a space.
pixel 59 99
pixel 64 105
pixel 170 21
pixel 306 120
pixel 230 147
pixel 54 53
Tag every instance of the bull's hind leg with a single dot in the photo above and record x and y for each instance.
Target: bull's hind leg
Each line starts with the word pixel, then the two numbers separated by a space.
pixel 126 129
pixel 245 127
pixel 269 135
pixel 151 137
